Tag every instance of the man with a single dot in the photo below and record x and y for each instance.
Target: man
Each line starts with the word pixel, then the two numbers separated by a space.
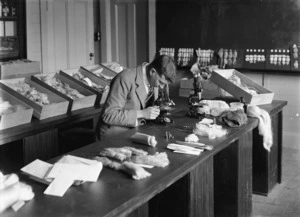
pixel 130 100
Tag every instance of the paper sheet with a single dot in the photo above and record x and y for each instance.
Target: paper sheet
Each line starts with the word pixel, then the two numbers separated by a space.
pixel 64 173
pixel 85 172
pixel 184 149
pixel 37 169
pixel 79 160
pixel 61 183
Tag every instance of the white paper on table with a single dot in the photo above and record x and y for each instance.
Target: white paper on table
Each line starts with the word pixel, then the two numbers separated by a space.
pixel 145 166
pixel 85 172
pixel 187 152
pixel 184 149
pixel 74 159
pixel 37 169
pixel 61 183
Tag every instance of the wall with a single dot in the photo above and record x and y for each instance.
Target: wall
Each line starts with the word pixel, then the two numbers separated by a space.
pixel 241 24
pixel 33 30
pixel 228 23
pixel 286 86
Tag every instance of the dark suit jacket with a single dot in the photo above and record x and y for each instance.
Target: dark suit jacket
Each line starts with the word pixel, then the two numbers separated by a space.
pixel 127 95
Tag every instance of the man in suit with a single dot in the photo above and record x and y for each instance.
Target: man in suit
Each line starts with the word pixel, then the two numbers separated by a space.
pixel 130 100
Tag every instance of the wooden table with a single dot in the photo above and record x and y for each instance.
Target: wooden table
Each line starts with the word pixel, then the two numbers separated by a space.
pixel 216 183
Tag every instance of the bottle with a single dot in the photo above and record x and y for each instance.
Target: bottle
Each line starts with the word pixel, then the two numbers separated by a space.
pixel 198 87
pixel 191 97
pixel 245 105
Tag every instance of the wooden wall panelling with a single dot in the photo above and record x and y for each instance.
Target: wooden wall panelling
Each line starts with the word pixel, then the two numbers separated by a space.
pixel 33 30
pixel 67 34
pixel 11 157
pixel 43 146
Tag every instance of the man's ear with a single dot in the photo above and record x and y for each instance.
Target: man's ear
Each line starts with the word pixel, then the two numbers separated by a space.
pixel 152 71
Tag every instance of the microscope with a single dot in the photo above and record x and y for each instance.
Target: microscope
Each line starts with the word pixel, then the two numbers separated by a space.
pixel 195 98
pixel 165 104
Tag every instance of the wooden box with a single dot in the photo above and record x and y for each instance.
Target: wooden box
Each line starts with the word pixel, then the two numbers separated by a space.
pixel 88 100
pixel 100 71
pixel 101 95
pixel 20 114
pixel 19 68
pixel 210 89
pixel 220 78
pixel 113 66
pixel 57 106
pixel 184 92
pixel 187 83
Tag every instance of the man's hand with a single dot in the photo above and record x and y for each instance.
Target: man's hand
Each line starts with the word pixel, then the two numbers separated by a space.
pixel 149 113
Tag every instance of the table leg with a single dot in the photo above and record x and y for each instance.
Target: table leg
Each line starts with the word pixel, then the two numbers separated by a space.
pixel 192 195
pixel 267 166
pixel 233 178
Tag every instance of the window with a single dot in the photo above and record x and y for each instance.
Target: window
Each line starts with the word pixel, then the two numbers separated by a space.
pixel 12 30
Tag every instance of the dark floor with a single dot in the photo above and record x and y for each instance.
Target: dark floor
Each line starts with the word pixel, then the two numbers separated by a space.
pixel 284 199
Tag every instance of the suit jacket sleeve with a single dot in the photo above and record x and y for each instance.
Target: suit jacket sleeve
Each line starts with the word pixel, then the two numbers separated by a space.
pixel 118 108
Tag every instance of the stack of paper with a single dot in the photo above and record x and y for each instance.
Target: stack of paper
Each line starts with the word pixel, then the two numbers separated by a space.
pixel 64 173
pixel 184 149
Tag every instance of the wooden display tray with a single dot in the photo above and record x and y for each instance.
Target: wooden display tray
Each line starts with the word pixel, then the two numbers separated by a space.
pixel 74 104
pixel 220 78
pixel 19 68
pixel 187 83
pixel 184 92
pixel 108 64
pixel 57 106
pixel 101 96
pixel 22 115
pixel 92 69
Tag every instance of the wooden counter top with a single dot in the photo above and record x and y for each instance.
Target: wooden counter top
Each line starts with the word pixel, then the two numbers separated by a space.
pixel 216 183
pixel 116 194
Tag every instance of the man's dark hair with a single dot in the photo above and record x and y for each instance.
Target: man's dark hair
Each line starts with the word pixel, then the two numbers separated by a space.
pixel 164 65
